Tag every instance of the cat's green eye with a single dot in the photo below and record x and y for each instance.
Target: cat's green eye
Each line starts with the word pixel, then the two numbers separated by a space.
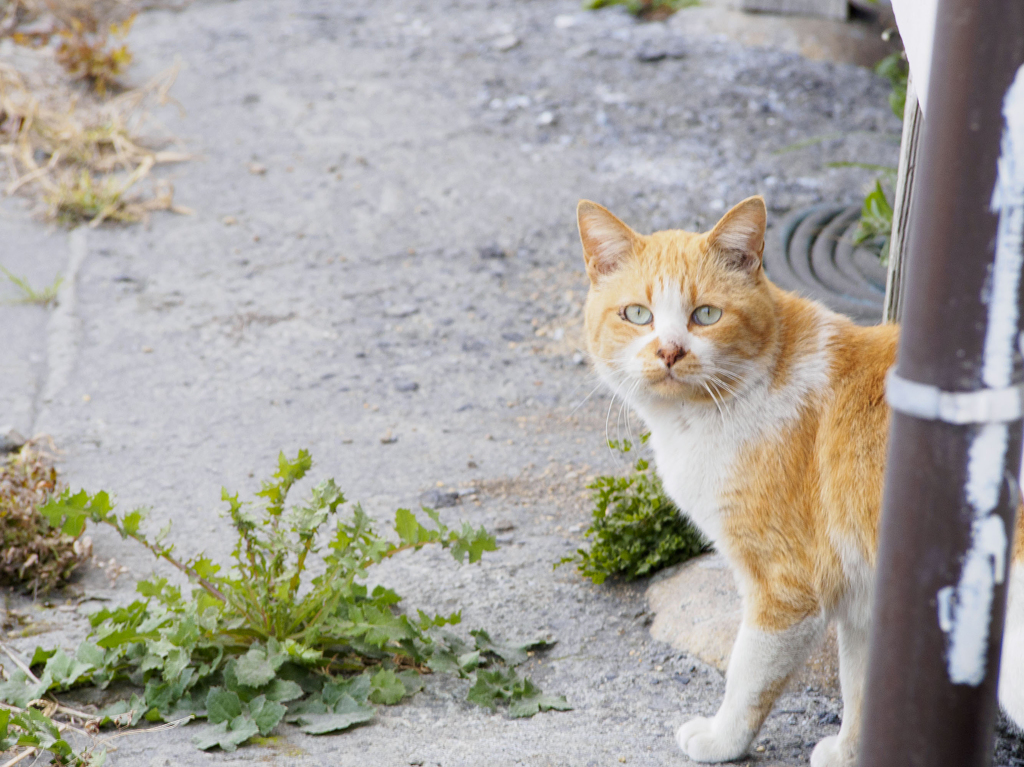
pixel 638 315
pixel 707 315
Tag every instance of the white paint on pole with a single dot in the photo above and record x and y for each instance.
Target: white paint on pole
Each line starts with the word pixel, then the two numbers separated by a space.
pixel 965 611
pixel 1008 203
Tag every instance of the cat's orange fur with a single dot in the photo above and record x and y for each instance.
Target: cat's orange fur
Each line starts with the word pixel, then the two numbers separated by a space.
pixel 820 477
pixel 788 483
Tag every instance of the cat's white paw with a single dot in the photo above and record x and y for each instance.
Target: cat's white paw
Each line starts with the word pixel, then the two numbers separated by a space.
pixel 702 743
pixel 829 753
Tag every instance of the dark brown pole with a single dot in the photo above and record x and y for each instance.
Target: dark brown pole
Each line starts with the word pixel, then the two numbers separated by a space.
pixel 950 488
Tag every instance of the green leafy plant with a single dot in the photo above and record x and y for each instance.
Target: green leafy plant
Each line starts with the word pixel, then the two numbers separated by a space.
pixel 266 639
pixel 895 69
pixel 635 527
pixel 647 9
pixel 875 224
pixel 32 729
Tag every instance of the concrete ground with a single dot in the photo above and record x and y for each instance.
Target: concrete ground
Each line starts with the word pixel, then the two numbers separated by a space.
pixel 400 293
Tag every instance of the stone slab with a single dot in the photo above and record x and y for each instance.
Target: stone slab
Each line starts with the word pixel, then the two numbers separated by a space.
pixel 697 609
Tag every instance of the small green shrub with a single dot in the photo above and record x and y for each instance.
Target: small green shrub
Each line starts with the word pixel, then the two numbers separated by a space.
pixel 646 9
pixel 636 529
pixel 265 640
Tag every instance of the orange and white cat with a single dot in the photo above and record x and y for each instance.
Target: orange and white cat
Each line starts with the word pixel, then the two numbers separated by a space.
pixel 769 424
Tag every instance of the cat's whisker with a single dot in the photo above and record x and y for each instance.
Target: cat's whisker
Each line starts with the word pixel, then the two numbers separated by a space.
pixel 625 402
pixel 713 399
pixel 733 365
pixel 723 385
pixel 624 409
pixel 608 416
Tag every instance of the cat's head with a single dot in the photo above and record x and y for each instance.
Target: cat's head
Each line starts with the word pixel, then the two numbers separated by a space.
pixel 677 315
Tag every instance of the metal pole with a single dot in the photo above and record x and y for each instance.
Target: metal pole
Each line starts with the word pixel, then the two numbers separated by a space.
pixel 950 488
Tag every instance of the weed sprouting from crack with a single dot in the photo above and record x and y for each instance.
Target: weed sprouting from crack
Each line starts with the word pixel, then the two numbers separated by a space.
pixel 29 295
pixel 264 640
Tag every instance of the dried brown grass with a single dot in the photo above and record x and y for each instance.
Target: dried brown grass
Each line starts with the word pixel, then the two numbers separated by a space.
pixel 33 555
pixel 78 151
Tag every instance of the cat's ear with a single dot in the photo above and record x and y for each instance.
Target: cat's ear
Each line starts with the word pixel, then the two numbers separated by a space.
pixel 607 242
pixel 739 236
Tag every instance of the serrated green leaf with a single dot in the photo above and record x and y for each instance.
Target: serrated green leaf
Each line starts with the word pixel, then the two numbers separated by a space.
pixel 483 692
pixel 204 567
pixel 132 520
pixel 282 690
pixel 40 656
pixel 162 697
pixel 266 713
pixel 19 691
pixel 432 621
pixel 412 681
pixel 444 661
pixel 346 713
pixel 358 688
pixel 380 626
pixel 68 512
pixel 151 587
pixel 469 661
pixel 386 688
pixel 512 654
pixel 254 669
pixel 311 706
pixel 228 735
pixel 91 654
pixel 472 543
pixel 527 700
pixel 222 705
pixel 406 526
pixel 176 662
pixel 185 633
pixel 635 528
pixel 126 636
pixel 65 670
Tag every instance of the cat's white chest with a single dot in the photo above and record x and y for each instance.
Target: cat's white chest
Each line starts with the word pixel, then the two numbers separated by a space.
pixel 695 463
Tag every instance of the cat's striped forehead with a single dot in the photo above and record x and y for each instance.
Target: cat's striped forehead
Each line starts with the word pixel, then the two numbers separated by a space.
pixel 681 261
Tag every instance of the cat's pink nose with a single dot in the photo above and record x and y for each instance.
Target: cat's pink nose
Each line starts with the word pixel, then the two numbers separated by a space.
pixel 671 354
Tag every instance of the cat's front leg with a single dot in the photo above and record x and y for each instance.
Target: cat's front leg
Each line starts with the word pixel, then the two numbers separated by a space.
pixel 761 662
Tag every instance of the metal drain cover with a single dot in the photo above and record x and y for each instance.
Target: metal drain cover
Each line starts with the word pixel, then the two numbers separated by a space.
pixel 813 255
